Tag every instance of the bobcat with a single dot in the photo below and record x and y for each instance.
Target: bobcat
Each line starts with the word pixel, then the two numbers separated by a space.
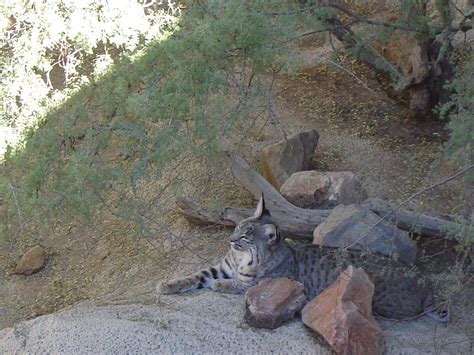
pixel 258 251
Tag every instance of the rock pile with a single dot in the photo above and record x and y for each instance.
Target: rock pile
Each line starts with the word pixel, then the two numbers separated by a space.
pixel 349 225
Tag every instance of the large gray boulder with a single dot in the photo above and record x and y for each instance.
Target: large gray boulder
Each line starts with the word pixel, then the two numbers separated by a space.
pixel 196 323
pixel 315 189
pixel 202 322
pixel 282 159
pixel 359 228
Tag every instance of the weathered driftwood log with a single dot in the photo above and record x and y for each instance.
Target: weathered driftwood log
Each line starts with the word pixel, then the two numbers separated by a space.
pixel 201 215
pixel 290 223
pixel 300 223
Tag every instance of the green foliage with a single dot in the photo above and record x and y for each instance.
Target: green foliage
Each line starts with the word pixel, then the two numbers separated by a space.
pixel 414 13
pixel 461 113
pixel 427 18
pixel 183 94
pixel 459 147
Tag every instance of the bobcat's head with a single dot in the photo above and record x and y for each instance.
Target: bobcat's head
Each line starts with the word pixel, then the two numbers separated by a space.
pixel 256 234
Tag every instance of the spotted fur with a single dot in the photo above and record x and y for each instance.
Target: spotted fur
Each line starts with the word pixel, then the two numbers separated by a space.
pixel 258 251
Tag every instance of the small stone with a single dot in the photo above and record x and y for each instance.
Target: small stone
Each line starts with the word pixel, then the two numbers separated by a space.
pixel 282 159
pixel 32 261
pixel 358 228
pixel 342 314
pixel 273 302
pixel 314 189
pixel 420 101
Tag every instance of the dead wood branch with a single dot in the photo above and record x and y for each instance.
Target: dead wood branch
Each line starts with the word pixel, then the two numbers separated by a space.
pixel 300 223
pixel 419 223
pixel 200 215
pixel 289 223
pixel 350 42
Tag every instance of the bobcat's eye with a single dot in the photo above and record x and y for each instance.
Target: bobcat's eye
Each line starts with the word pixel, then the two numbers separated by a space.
pixel 244 238
pixel 248 230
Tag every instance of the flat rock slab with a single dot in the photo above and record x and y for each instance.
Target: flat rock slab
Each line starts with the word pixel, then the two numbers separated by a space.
pixel 359 228
pixel 201 322
pixel 274 302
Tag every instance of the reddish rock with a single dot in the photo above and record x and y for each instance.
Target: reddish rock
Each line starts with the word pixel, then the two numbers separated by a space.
pixel 282 159
pixel 32 261
pixel 273 302
pixel 342 314
pixel 420 101
pixel 410 55
pixel 313 189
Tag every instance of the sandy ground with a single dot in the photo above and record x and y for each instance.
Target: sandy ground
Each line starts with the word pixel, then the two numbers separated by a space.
pixel 200 323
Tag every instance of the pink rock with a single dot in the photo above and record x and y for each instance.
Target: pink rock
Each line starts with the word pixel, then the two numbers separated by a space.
pixel 342 314
pixel 32 261
pixel 273 302
pixel 314 189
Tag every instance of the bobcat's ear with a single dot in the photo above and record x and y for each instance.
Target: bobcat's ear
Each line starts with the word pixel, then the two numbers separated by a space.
pixel 261 210
pixel 272 234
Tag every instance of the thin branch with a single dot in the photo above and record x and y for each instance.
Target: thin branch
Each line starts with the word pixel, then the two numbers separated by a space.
pixel 439 183
pixel 329 29
pixel 371 22
pixel 20 219
pixel 20 228
pixel 357 79
pixel 351 14
pixel 415 195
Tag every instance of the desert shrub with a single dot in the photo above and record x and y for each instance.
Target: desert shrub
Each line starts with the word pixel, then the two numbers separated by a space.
pixel 460 110
pixel 182 94
pixel 459 147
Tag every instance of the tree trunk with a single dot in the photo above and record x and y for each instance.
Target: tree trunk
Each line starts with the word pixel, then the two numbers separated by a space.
pixel 423 93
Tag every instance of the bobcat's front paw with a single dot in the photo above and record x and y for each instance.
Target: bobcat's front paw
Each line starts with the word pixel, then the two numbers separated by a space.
pixel 166 288
pixel 220 286
pixel 228 286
